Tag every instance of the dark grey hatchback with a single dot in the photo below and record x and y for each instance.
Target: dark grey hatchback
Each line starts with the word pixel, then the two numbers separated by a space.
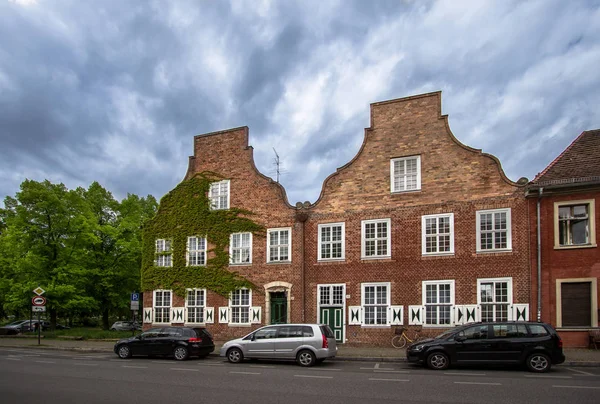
pixel 536 345
pixel 179 342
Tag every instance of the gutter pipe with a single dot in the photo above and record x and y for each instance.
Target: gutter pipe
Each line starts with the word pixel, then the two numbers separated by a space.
pixel 539 257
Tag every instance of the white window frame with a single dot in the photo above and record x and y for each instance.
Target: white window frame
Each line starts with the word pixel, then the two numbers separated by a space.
pixel 386 306
pixel 165 310
pixel 404 176
pixel 321 244
pixel 201 251
pixel 232 249
pixel 279 246
pixel 233 307
pixel 493 231
pixel 163 252
pixel 591 224
pixel 509 297
pixel 424 285
pixel 215 195
pixel 197 308
pixel 387 239
pixel 437 235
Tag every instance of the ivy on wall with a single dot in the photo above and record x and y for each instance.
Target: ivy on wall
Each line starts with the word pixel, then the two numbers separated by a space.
pixel 185 212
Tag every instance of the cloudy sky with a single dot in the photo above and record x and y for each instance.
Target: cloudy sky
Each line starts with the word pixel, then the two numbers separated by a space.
pixel 114 91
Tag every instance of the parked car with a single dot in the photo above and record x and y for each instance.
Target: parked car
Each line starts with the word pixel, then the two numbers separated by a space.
pixel 20 326
pixel 125 326
pixel 536 345
pixel 307 344
pixel 179 342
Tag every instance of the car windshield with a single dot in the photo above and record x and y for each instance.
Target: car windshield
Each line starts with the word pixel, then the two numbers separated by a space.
pixel 446 333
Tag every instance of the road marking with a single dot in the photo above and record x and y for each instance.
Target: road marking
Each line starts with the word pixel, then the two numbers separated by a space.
pixel 315 377
pixel 548 377
pixel 211 364
pixel 44 362
pixel 134 367
pixel 388 380
pixel 120 360
pixel 390 371
pixel 576 387
pixel 482 383
pixel 463 374
pixel 185 369
pixel 326 370
pixel 163 362
pixel 85 364
pixel 26 356
pixel 262 366
pixel 245 373
pixel 582 372
pixel 13 359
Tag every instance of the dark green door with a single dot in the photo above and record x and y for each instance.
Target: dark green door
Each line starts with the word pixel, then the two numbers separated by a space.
pixel 332 316
pixel 278 308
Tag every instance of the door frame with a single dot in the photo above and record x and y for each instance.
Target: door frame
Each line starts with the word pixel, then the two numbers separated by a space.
pixel 277 286
pixel 343 306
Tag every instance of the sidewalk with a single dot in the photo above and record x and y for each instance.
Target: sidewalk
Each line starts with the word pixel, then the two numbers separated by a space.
pixel 575 356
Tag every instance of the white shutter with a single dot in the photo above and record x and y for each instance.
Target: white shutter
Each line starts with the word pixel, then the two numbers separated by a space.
pixel 354 315
pixel 415 315
pixel 147 315
pixel 396 316
pixel 468 313
pixel 177 315
pixel 224 315
pixel 209 315
pixel 519 312
pixel 255 315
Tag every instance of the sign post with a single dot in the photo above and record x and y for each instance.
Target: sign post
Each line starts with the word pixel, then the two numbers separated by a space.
pixel 135 306
pixel 39 305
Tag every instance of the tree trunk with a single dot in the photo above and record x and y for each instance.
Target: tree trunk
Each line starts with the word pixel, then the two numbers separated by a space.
pixel 53 319
pixel 105 319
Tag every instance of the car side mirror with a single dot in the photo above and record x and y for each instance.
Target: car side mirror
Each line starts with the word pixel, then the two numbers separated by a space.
pixel 460 338
pixel 139 336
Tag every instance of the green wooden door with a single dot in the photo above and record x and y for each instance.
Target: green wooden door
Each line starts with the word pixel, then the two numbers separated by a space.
pixel 333 316
pixel 278 308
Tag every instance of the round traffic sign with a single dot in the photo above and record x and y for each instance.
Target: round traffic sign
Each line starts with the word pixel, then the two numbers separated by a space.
pixel 38 301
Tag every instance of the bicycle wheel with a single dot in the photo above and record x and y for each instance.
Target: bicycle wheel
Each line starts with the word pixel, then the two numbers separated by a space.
pixel 398 341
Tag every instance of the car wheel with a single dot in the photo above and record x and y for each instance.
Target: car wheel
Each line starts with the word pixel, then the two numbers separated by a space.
pixel 180 353
pixel 438 361
pixel 538 363
pixel 113 329
pixel 234 355
pixel 306 358
pixel 124 352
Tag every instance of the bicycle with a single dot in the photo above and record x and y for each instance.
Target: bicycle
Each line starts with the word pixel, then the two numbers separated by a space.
pixel 401 338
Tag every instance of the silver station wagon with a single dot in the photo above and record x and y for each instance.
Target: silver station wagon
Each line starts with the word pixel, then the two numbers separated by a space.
pixel 307 344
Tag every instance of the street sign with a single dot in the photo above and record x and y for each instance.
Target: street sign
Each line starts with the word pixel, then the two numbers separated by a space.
pixel 38 301
pixel 39 291
pixel 135 297
pixel 38 308
pixel 135 305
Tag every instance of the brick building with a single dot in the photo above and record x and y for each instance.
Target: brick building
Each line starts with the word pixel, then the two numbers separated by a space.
pixel 565 257
pixel 418 229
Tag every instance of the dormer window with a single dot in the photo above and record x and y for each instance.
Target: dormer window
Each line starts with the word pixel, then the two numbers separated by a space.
pixel 405 174
pixel 219 195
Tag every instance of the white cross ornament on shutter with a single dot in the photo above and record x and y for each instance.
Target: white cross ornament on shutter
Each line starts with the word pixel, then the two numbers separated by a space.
pixel 396 316
pixel 255 315
pixel 224 315
pixel 464 314
pixel 147 315
pixel 177 315
pixel 415 315
pixel 520 312
pixel 354 315
pixel 209 315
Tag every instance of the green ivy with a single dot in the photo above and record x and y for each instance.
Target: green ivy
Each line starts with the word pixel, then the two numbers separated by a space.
pixel 185 212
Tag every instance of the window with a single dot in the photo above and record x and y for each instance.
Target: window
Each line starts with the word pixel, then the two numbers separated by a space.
pixel 494 230
pixel 574 224
pixel 509 330
pixel 537 330
pixel 290 331
pixel 196 251
pixel 495 296
pixel 406 174
pixel 195 301
pixel 266 333
pixel 279 242
pixel 331 295
pixel 375 302
pixel 241 248
pixel 437 234
pixel 219 195
pixel 331 241
pixel 240 306
pixel 475 332
pixel 376 238
pixel 163 254
pixel 162 306
pixel 438 299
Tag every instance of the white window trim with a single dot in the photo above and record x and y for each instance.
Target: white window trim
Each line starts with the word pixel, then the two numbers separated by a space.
pixel 187 306
pixel 591 220
pixel 388 298
pixel 231 250
pixel 364 240
pixel 154 306
pixel 424 235
pixel 158 253
pixel 320 227
pixel 593 303
pixel 392 161
pixel 228 194
pixel 289 230
pixel 509 292
pixel 424 301
pixel 187 251
pixel 249 323
pixel 508 230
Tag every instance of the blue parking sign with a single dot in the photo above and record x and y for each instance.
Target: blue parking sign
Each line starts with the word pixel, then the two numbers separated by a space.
pixel 135 297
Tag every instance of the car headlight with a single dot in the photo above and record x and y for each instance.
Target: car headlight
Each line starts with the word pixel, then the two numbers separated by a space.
pixel 417 348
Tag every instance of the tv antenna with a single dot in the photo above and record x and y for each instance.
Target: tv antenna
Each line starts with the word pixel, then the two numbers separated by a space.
pixel 277 164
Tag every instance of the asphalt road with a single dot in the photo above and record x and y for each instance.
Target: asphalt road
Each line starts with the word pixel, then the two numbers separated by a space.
pixel 70 377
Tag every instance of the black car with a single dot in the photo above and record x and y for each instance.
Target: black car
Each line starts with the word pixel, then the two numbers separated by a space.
pixel 179 342
pixel 537 345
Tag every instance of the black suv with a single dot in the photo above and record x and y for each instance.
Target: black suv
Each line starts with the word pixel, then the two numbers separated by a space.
pixel 179 342
pixel 537 345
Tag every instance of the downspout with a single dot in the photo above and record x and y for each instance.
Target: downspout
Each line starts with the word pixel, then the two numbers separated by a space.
pixel 302 216
pixel 539 257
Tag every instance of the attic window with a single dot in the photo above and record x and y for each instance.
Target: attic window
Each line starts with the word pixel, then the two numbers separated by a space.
pixel 405 174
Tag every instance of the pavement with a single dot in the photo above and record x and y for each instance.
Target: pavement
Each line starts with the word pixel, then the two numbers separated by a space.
pixel 574 356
